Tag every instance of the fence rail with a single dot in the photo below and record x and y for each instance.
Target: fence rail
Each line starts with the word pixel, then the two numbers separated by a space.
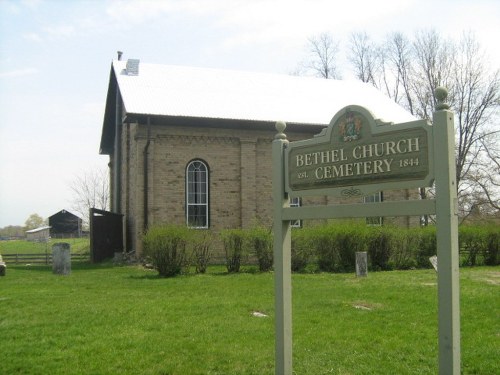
pixel 41 258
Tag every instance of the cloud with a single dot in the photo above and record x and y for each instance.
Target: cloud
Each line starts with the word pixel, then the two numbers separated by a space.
pixel 34 37
pixel 260 21
pixel 271 21
pixel 137 12
pixel 31 4
pixel 16 7
pixel 19 72
pixel 60 31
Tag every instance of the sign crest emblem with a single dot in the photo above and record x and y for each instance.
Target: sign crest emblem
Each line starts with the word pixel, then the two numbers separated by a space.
pixel 350 127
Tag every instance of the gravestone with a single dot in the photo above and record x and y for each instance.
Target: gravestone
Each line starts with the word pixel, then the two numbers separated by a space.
pixel 3 267
pixel 61 258
pixel 361 263
pixel 434 262
pixel 118 258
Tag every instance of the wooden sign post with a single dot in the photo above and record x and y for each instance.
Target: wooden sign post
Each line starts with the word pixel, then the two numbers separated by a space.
pixel 447 238
pixel 357 155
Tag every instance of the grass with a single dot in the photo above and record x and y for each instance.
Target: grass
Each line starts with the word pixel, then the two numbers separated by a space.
pixel 78 246
pixel 107 320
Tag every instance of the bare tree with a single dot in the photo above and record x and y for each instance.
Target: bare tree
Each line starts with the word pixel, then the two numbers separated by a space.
pixel 432 67
pixel 401 56
pixel 476 99
pixel 364 57
pixel 488 177
pixel 409 70
pixel 90 190
pixel 388 66
pixel 324 50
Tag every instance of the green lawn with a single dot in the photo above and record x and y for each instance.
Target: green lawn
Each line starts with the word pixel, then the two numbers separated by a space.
pixel 125 320
pixel 78 246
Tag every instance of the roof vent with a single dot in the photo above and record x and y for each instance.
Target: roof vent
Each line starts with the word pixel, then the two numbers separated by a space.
pixel 133 67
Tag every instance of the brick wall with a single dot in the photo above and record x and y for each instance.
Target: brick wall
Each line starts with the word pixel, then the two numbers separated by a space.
pixel 239 163
pixel 240 176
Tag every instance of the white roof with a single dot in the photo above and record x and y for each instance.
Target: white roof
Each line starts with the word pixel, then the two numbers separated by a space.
pixel 39 229
pixel 210 93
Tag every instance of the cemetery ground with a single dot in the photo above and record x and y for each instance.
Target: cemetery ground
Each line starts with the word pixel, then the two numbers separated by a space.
pixel 22 251
pixel 106 319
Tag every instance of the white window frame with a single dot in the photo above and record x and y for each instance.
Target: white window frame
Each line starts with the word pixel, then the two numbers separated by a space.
pixel 197 200
pixel 374 198
pixel 296 202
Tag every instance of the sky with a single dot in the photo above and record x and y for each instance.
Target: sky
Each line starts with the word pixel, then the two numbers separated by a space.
pixel 55 60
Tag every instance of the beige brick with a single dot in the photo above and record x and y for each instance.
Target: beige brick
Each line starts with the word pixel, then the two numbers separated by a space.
pixel 240 176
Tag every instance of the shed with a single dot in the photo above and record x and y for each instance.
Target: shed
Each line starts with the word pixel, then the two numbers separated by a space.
pixel 41 234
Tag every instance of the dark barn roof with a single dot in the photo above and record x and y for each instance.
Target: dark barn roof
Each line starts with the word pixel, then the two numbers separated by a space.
pixel 65 223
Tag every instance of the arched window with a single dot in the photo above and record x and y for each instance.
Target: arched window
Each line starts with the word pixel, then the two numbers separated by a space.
pixel 197 194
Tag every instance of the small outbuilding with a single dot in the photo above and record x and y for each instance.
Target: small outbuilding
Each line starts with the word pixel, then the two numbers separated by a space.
pixel 64 224
pixel 41 234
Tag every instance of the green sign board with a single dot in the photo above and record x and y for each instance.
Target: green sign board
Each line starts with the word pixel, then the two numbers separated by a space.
pixel 356 151
pixel 357 155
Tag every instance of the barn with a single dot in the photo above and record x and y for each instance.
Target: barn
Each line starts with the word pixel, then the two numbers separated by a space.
pixel 64 224
pixel 192 146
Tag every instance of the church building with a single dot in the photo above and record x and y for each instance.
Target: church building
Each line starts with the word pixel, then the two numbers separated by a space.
pixel 192 146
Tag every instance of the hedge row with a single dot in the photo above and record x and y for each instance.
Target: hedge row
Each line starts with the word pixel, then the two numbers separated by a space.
pixel 328 248
pixel 333 247
pixel 174 249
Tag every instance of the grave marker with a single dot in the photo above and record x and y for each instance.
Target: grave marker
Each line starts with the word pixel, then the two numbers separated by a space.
pixel 434 261
pixel 361 264
pixel 3 267
pixel 61 258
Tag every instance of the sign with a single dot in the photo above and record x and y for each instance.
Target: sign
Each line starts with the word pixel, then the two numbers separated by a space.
pixel 357 155
pixel 355 151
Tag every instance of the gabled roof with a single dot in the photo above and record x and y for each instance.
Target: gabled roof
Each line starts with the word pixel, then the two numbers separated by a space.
pixel 65 213
pixel 175 91
pixel 39 229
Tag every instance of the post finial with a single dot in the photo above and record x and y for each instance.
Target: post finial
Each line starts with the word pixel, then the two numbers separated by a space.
pixel 441 94
pixel 280 128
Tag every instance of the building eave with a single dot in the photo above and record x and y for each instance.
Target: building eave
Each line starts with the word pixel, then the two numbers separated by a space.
pixel 108 129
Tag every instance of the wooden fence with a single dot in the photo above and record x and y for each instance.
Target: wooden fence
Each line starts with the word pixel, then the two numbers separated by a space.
pixel 41 258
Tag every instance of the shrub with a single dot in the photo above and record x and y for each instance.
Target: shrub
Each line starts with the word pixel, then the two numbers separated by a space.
pixel 349 241
pixel 323 244
pixel 301 249
pixel 260 243
pixel 472 243
pixel 427 248
pixel 336 245
pixel 201 242
pixel 378 246
pixel 479 244
pixel 165 246
pixel 403 249
pixel 492 253
pixel 234 248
